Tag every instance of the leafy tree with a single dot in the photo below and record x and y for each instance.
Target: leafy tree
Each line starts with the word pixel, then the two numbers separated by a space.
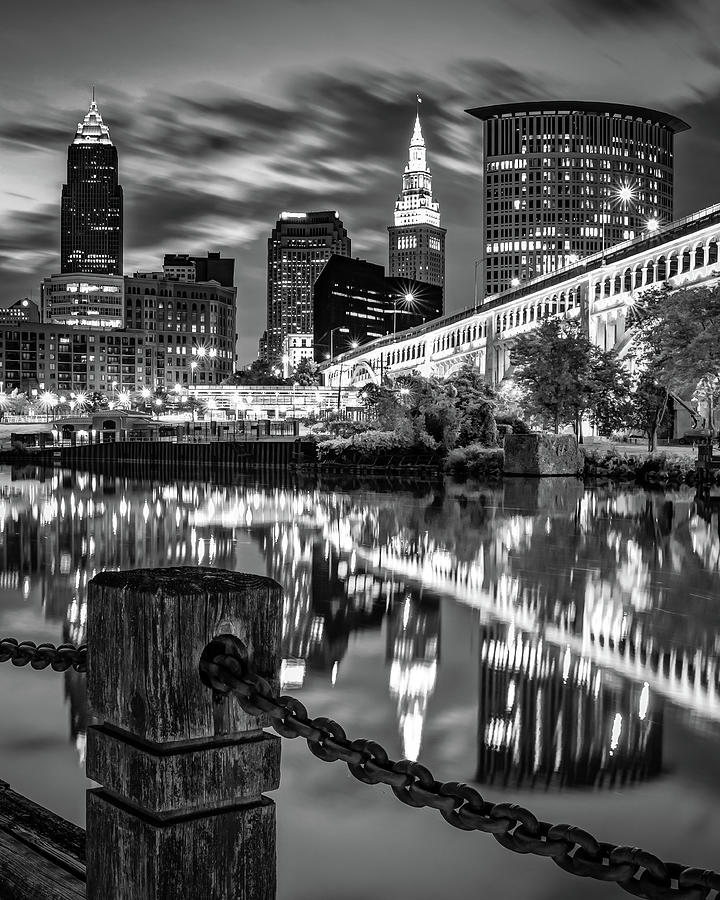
pixel 97 401
pixel 566 377
pixel 435 412
pixel 677 336
pixel 648 406
pixel 260 372
pixel 476 403
pixel 305 373
pixel 477 425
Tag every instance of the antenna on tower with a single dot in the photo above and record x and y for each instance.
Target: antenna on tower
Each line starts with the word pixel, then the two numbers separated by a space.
pixel 93 93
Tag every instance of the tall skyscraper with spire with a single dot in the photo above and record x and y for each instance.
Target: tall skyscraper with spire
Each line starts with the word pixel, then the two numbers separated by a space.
pixel 417 242
pixel 91 217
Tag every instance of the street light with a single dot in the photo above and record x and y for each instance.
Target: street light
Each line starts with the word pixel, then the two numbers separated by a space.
pixel 408 298
pixel 622 195
pixel 49 401
pixel 331 331
pixel 652 225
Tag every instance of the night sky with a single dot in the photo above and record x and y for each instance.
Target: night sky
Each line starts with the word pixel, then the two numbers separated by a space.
pixel 227 113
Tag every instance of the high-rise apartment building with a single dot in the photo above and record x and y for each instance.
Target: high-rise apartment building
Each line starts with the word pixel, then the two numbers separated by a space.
pixel 169 333
pixel 416 240
pixel 565 179
pixel 189 325
pixel 91 216
pixel 298 248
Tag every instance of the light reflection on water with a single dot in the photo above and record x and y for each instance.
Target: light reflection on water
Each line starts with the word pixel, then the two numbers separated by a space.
pixel 559 627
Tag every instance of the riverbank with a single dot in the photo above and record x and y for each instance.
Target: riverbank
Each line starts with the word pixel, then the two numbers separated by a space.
pixel 603 461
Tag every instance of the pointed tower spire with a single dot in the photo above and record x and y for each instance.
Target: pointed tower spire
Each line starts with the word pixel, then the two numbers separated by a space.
pixel 92 130
pixel 417 241
pixel 417 139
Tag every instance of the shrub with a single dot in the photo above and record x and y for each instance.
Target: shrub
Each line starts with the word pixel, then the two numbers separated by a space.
pixel 515 423
pixel 476 461
pixel 654 469
pixel 372 447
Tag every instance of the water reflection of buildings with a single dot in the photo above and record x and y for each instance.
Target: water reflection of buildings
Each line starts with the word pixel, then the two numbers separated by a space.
pixel 548 716
pixel 577 572
pixel 326 598
pixel 413 651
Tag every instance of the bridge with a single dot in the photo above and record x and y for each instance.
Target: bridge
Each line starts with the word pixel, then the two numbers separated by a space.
pixel 599 290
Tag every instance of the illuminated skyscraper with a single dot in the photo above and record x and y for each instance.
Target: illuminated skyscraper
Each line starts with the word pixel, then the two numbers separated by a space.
pixel 417 242
pixel 565 179
pixel 91 217
pixel 298 248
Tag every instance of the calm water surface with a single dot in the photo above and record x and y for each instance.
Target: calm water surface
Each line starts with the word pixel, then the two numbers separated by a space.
pixel 554 645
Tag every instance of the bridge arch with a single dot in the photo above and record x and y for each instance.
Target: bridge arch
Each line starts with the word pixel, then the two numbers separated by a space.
pixel 360 372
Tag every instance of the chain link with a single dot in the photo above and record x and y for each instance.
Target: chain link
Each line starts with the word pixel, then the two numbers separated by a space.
pixel 40 656
pixel 225 667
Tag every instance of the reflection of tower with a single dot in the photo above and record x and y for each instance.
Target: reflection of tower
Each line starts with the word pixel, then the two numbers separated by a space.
pixel 413 648
pixel 546 715
pixel 326 597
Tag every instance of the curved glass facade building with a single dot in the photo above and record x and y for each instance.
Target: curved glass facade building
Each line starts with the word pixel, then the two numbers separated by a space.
pixel 565 179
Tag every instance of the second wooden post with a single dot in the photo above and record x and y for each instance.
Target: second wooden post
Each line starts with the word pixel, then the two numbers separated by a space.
pixel 180 811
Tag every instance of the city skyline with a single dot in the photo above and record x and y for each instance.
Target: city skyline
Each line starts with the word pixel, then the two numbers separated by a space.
pixel 205 165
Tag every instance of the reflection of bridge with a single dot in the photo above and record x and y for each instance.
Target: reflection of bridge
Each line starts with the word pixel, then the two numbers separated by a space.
pixel 547 714
pixel 599 290
pixel 688 677
pixel 349 562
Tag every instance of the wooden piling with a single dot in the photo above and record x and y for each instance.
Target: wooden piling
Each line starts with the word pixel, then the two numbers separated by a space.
pixel 180 811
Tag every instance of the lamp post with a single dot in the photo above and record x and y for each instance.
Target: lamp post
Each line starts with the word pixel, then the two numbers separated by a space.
pixel 339 386
pixel 409 299
pixel 623 195
pixel 332 331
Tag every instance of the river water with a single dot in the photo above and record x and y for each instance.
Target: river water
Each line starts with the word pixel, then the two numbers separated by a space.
pixel 555 645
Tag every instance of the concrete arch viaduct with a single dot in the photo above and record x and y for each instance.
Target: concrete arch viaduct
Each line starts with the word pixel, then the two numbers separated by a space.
pixel 600 290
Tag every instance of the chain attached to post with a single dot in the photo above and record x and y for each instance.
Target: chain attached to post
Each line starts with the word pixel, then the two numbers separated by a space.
pixel 225 667
pixel 40 656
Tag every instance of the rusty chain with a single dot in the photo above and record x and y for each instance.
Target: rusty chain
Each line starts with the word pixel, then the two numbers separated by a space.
pixel 40 656
pixel 225 667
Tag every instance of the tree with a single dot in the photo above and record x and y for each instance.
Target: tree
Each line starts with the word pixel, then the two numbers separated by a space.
pixel 476 403
pixel 260 372
pixel 648 406
pixel 431 411
pixel 677 336
pixel 566 377
pixel 97 401
pixel 305 373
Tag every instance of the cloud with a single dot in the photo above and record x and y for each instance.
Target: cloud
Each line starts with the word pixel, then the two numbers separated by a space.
pixel 697 181
pixel 212 168
pixel 621 12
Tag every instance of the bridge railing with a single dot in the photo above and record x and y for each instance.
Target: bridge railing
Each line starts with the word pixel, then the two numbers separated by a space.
pixel 183 669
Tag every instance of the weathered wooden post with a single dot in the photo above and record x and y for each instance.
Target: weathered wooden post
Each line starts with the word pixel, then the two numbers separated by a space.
pixel 180 811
